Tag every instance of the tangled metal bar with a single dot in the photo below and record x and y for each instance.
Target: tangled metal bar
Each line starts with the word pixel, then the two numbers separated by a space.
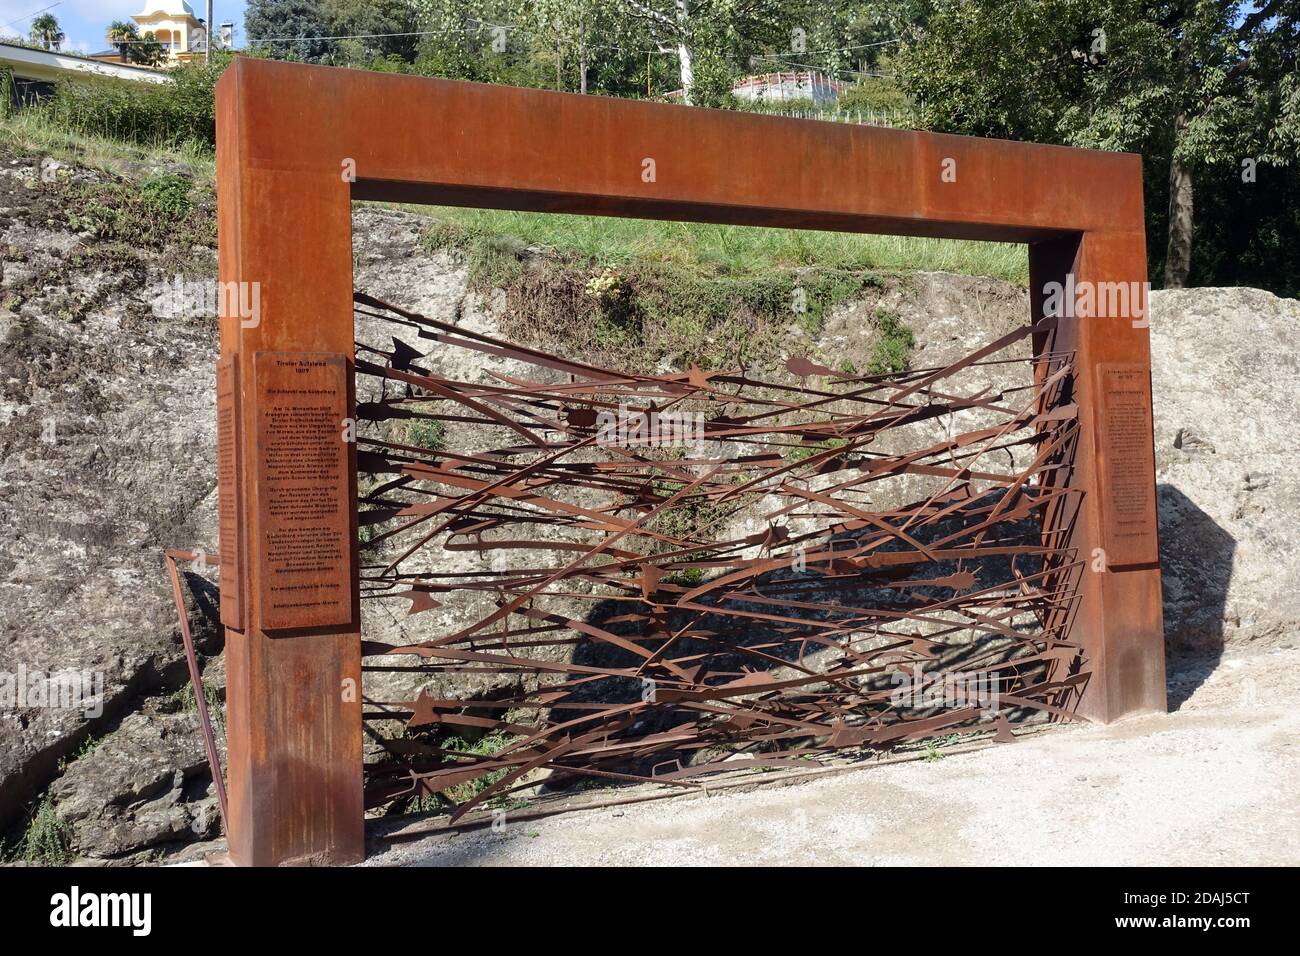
pixel 668 576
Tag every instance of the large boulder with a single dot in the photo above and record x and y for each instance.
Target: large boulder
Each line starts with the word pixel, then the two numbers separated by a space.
pixel 1226 378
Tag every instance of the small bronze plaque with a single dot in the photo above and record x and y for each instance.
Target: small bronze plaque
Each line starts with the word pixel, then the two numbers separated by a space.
pixel 230 545
pixel 304 553
pixel 1128 473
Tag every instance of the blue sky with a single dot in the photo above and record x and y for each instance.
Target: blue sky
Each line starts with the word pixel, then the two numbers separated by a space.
pixel 84 21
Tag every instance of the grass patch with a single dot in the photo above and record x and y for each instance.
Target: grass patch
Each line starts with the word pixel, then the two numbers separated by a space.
pixel 733 250
pixel 689 577
pixel 189 703
pixel 894 346
pixel 88 747
pixel 643 314
pixel 642 295
pixel 45 841
pixel 485 746
pixel 427 433
pixel 35 132
pixel 685 518
pixel 159 213
pixel 804 452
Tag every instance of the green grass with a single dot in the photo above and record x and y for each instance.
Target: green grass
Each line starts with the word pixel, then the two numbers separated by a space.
pixel 688 577
pixel 45 841
pixel 639 312
pixel 486 746
pixel 426 433
pixel 894 346
pixel 33 132
pixel 88 747
pixel 803 452
pixel 167 192
pixel 158 213
pixel 216 709
pixel 738 250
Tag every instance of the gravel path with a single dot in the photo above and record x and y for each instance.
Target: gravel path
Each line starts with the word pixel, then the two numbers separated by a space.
pixel 1216 782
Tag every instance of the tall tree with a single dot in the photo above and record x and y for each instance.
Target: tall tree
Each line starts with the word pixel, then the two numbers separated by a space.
pixel 287 29
pixel 1194 84
pixel 713 39
pixel 470 40
pixel 148 51
pixel 578 30
pixel 373 28
pixel 47 32
pixel 122 35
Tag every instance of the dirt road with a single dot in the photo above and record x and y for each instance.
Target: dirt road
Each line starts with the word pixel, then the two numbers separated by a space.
pixel 1215 782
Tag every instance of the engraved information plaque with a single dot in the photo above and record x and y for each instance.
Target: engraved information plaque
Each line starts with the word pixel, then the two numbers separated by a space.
pixel 230 547
pixel 1128 456
pixel 304 553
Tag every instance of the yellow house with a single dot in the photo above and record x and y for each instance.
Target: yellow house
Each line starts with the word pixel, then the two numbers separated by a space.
pixel 182 34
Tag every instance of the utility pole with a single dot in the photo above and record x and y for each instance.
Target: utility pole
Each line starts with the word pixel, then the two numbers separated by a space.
pixel 207 49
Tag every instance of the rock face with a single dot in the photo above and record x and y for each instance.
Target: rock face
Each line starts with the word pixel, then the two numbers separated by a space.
pixel 106 438
pixel 107 457
pixel 145 787
pixel 1226 379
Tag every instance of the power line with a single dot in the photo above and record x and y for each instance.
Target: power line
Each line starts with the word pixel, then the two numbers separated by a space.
pixel 4 26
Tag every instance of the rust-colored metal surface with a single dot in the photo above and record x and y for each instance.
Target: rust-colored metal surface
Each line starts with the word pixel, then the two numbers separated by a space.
pixel 229 484
pixel 304 555
pixel 288 135
pixel 684 574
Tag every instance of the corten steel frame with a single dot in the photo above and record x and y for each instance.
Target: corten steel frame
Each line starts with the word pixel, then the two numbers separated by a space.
pixel 285 136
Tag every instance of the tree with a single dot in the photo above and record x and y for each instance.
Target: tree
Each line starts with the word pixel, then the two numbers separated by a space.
pixel 148 51
pixel 122 35
pixel 578 29
pixel 46 31
pixel 134 48
pixel 1192 84
pixel 489 41
pixel 269 22
pixel 711 37
pixel 365 23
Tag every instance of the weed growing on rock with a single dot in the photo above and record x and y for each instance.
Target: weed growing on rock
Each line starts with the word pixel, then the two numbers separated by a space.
pixel 45 841
pixel 161 213
pixel 426 433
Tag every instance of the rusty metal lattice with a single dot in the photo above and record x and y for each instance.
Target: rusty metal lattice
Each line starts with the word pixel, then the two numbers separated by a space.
pixel 673 575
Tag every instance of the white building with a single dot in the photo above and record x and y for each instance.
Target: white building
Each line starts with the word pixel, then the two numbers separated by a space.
pixel 784 86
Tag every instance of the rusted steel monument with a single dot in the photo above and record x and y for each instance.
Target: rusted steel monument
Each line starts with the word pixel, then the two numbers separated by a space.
pixel 767 645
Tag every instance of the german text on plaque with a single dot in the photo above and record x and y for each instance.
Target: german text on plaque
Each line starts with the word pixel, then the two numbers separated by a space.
pixel 1128 457
pixel 305 551
pixel 230 546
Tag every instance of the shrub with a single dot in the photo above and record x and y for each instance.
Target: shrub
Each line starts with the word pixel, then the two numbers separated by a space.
pixel 167 193
pixel 157 214
pixel 172 114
